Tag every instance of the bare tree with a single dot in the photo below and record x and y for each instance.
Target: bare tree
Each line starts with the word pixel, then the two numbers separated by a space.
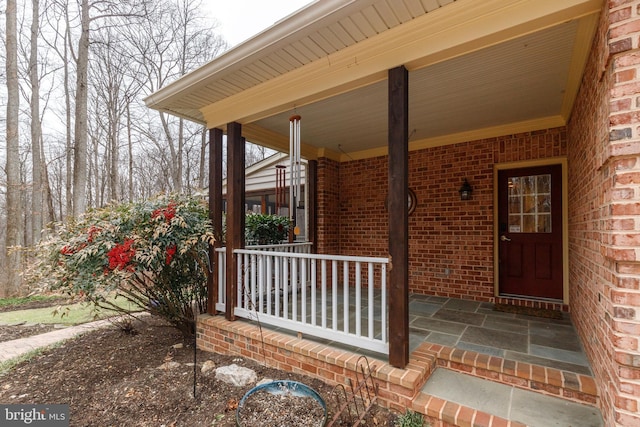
pixel 14 214
pixel 113 89
pixel 37 170
pixel 174 41
pixel 104 11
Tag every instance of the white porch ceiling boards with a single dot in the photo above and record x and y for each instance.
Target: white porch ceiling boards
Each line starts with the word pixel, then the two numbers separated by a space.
pixel 513 82
pixel 478 68
pixel 313 33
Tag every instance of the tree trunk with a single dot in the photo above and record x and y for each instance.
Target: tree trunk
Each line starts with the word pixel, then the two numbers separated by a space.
pixel 80 132
pixel 11 285
pixel 67 103
pixel 130 148
pixel 37 199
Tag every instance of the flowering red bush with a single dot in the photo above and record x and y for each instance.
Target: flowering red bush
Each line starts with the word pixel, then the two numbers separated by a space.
pixel 153 253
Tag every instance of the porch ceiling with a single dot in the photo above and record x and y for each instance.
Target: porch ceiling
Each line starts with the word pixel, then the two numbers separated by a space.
pixel 477 69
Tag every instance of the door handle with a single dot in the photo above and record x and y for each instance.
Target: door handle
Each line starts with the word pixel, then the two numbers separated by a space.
pixel 505 238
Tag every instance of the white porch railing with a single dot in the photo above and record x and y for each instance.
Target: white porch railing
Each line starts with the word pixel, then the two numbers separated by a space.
pixel 338 298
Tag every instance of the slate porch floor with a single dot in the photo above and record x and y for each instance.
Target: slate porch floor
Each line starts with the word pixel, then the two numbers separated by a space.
pixel 475 326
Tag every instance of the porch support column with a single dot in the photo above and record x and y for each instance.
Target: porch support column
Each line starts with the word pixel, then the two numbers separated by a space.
pixel 398 216
pixel 312 187
pixel 215 214
pixel 235 211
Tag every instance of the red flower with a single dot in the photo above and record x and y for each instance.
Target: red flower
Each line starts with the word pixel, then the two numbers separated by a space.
pixel 168 213
pixel 93 230
pixel 171 251
pixel 120 255
pixel 67 251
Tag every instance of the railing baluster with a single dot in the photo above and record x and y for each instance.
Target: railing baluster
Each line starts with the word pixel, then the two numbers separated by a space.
pixel 345 295
pixel 277 287
pixel 334 295
pixel 240 280
pixel 358 299
pixel 383 301
pixel 323 299
pixel 314 286
pixel 371 300
pixel 303 290
pixel 252 281
pixel 286 276
pixel 260 290
pixel 294 289
pixel 269 282
pixel 221 277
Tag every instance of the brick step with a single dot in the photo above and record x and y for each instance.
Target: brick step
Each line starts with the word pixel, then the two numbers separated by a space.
pixel 570 386
pixel 451 398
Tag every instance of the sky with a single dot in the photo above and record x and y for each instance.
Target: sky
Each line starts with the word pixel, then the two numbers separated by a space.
pixel 241 19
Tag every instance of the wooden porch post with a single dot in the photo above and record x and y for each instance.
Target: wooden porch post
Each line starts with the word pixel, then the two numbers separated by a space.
pixel 235 211
pixel 312 187
pixel 398 216
pixel 215 213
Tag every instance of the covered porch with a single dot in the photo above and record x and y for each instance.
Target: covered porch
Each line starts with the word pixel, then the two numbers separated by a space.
pixel 401 103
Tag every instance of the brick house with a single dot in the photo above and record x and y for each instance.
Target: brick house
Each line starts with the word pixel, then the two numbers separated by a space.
pixel 534 103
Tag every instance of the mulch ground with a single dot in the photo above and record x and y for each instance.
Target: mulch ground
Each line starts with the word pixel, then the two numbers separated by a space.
pixel 109 377
pixel 22 331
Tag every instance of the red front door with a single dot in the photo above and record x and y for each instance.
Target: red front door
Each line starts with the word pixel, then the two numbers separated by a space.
pixel 530 232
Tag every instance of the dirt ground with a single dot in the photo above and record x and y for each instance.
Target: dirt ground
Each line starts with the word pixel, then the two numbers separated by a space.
pixel 113 378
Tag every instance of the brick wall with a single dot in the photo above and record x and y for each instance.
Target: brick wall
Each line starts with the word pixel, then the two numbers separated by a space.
pixel 604 166
pixel 451 241
pixel 328 213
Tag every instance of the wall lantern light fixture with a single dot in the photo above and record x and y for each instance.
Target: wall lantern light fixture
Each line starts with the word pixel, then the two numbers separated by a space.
pixel 465 191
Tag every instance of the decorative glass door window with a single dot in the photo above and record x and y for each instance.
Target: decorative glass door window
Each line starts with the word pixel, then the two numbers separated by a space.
pixel 530 204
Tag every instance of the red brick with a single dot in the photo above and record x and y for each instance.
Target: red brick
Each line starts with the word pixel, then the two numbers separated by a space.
pixel 625 75
pixel 624 29
pixel 620 15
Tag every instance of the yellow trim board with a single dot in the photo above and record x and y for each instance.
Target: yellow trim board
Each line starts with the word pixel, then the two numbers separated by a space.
pixel 461 137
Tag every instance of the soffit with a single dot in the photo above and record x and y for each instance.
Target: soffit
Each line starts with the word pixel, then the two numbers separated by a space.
pixel 513 78
pixel 319 30
pixel 516 81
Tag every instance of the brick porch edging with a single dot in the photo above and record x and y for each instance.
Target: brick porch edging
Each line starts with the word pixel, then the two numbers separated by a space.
pixel 398 388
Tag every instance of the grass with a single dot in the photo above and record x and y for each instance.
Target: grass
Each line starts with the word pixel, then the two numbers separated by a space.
pixel 72 314
pixel 5 302
pixel 9 364
pixel 411 419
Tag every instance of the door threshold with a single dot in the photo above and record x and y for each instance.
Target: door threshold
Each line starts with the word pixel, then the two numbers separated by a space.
pixel 533 302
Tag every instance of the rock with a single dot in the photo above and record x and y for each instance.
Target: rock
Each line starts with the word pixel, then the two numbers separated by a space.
pixel 169 365
pixel 208 366
pixel 177 346
pixel 236 375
